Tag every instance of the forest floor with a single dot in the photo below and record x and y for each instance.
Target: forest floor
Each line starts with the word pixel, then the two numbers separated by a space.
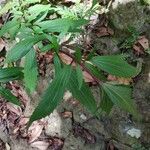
pixel 71 126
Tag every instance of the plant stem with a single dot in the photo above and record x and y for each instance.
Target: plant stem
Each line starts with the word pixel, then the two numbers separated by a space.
pixel 83 66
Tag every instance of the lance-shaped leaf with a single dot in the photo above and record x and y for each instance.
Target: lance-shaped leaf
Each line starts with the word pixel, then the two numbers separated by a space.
pixel 53 95
pixel 114 65
pixel 30 71
pixel 10 74
pixel 57 64
pixel 62 25
pixel 8 96
pixel 84 94
pixel 22 48
pixel 121 96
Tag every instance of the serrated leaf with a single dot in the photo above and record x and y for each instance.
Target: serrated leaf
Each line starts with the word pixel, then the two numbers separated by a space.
pixel 10 74
pixel 5 93
pixel 79 76
pixel 8 26
pixel 121 97
pixel 62 25
pixel 83 95
pixel 106 104
pixel 53 95
pixel 114 65
pixel 30 71
pixel 22 48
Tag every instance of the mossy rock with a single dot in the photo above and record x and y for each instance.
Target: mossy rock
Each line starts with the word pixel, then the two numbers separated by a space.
pixel 125 15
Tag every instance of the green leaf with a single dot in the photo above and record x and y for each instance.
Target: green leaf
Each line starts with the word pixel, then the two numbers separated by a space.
pixel 9 96
pixel 36 10
pixel 53 95
pixel 79 76
pixel 62 25
pixel 83 95
pixel 57 64
pixel 10 74
pixel 30 71
pixel 95 71
pixel 22 48
pixel 106 104
pixel 114 65
pixel 31 1
pixel 8 26
pixel 6 8
pixel 121 96
pixel 78 55
pixel 46 48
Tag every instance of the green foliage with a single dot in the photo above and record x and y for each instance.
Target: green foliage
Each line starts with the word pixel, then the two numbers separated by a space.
pixel 121 97
pixel 6 75
pixel 30 22
pixel 131 39
pixel 115 65
pixel 82 94
pixel 79 76
pixel 10 74
pixel 8 96
pixel 52 97
pixel 30 71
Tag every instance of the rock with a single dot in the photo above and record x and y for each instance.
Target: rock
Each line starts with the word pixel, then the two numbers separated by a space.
pixel 127 13
pixel 57 126
pixel 76 143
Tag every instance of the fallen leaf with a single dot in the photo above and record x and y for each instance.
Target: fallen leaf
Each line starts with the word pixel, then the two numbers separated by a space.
pixel 144 42
pixel 14 108
pixel 141 45
pixel 66 114
pixel 23 121
pixel 41 145
pixel 120 80
pixel 35 130
pixel 104 31
pixel 56 144
pixel 65 58
pixel 87 77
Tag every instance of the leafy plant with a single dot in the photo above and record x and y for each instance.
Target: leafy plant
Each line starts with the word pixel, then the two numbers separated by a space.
pixel 37 28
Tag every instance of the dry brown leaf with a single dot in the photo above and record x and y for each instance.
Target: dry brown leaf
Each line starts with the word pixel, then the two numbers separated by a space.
pixel 120 80
pixel 104 31
pixel 23 121
pixel 141 45
pixel 66 114
pixel 35 130
pixel 41 145
pixel 87 77
pixel 14 108
pixel 143 41
pixel 65 58
pixel 2 44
